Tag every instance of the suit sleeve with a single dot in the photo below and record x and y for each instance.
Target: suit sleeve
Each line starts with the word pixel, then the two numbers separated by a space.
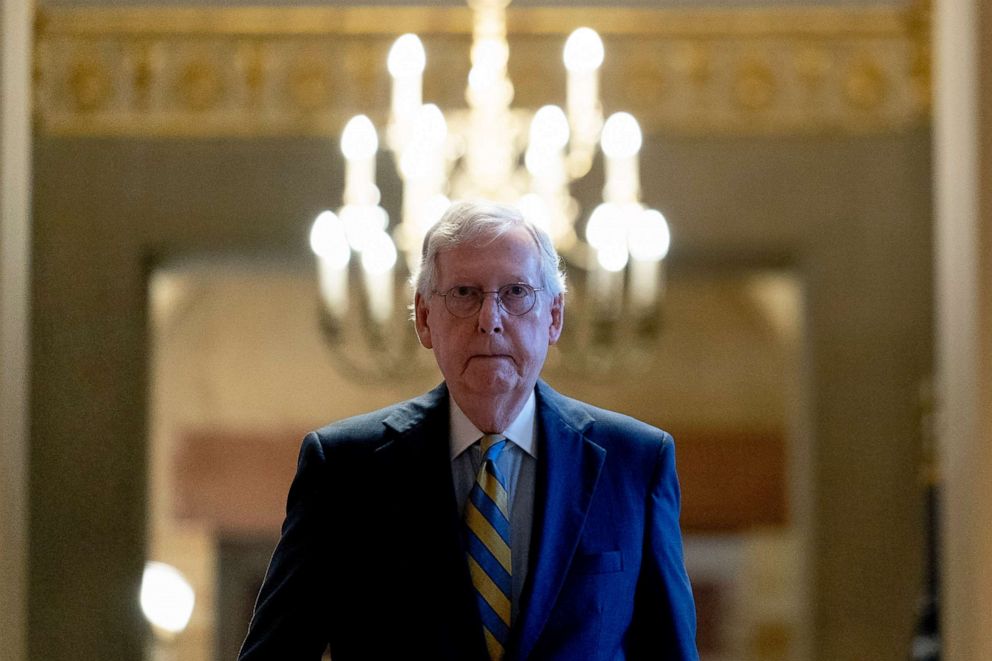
pixel 287 622
pixel 664 623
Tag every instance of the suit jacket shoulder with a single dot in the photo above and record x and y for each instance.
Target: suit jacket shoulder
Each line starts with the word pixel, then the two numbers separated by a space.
pixel 401 418
pixel 608 428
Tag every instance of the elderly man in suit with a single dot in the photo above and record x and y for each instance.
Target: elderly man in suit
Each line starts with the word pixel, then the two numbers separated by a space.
pixel 491 518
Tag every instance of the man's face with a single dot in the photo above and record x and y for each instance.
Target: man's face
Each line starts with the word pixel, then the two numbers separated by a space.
pixel 491 353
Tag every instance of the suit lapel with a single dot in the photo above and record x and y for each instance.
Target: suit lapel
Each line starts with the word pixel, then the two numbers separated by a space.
pixel 415 452
pixel 568 469
pixel 416 461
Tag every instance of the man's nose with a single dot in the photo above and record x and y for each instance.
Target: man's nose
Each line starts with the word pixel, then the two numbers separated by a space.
pixel 490 314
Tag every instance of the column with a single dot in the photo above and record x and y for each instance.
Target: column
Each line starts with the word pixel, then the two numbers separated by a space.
pixel 15 196
pixel 963 201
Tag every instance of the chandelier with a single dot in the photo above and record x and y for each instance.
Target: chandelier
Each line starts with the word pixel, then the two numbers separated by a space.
pixel 493 151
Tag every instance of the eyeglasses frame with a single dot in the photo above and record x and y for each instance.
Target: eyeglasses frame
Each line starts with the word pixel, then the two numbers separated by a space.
pixel 483 292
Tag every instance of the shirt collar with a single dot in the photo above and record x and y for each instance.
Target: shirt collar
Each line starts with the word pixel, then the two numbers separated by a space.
pixel 521 431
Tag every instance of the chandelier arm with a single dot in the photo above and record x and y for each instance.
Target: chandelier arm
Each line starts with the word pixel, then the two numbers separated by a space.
pixel 370 361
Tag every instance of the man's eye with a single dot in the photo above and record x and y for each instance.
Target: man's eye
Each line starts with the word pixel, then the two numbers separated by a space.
pixel 515 291
pixel 463 292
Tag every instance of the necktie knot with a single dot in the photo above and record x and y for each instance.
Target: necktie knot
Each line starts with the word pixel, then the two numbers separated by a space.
pixel 492 446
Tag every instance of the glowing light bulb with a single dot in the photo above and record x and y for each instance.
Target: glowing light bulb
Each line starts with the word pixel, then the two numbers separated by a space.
pixel 166 597
pixel 548 136
pixel 613 257
pixel 359 139
pixel 426 142
pixel 549 127
pixel 328 240
pixel 407 57
pixel 378 259
pixel 583 50
pixel 650 237
pixel 361 223
pixel 605 226
pixel 379 254
pixel 621 136
pixel 430 122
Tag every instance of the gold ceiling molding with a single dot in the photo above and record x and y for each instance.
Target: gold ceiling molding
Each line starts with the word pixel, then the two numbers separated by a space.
pixel 154 71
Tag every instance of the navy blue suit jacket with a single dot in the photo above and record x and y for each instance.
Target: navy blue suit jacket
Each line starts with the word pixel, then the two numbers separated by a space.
pixel 371 559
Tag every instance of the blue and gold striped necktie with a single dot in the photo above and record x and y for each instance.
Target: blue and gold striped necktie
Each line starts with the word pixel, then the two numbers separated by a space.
pixel 487 517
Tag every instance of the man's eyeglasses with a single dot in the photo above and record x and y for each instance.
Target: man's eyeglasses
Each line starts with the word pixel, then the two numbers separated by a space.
pixel 516 298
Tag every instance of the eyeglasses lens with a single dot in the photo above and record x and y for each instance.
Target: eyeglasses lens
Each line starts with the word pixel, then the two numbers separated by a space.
pixel 517 299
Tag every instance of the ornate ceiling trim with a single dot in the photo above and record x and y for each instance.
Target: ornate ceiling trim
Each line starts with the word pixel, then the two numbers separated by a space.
pixel 253 71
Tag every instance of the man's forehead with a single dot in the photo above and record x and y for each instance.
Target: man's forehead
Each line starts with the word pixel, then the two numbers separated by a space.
pixel 468 273
pixel 482 257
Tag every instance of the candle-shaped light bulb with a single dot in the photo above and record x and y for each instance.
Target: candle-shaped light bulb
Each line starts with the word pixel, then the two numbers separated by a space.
pixel 329 242
pixel 583 50
pixel 406 65
pixel 359 144
pixel 612 258
pixel 621 136
pixel 544 156
pixel 379 255
pixel 648 242
pixel 583 56
pixel 407 57
pixel 430 120
pixel 361 222
pixel 621 141
pixel 549 127
pixel 606 234
pixel 649 238
pixel 605 226
pixel 423 155
pixel 359 139
pixel 378 260
pixel 422 167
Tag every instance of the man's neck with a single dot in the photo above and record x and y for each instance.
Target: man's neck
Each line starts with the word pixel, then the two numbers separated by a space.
pixel 521 430
pixel 491 415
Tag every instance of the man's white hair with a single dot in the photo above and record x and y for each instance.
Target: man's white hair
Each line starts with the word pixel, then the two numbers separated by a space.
pixel 481 223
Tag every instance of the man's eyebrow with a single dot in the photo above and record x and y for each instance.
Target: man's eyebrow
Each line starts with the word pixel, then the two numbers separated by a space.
pixel 511 280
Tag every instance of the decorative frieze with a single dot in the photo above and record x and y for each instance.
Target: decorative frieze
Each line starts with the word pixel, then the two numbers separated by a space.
pixel 305 70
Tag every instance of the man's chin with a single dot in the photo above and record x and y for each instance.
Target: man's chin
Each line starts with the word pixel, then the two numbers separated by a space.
pixel 493 382
pixel 494 387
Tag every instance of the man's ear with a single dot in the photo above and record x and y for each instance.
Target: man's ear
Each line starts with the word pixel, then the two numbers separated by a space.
pixel 420 310
pixel 557 318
